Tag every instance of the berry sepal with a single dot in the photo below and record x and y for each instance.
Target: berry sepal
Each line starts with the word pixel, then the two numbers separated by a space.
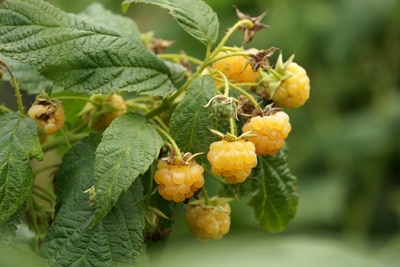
pixel 288 84
pixel 273 79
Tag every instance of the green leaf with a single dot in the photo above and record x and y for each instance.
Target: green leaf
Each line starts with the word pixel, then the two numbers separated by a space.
pixel 178 71
pixel 77 53
pixel 275 203
pixel 19 143
pixel 190 121
pixel 29 78
pixel 194 16
pixel 128 147
pixel 124 25
pixel 240 190
pixel 70 241
pixel 8 229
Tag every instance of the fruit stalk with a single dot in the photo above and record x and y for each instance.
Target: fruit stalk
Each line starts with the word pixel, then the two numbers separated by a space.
pixel 229 33
pixel 174 147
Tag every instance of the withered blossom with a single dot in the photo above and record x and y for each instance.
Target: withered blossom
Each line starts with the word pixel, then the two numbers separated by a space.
pixel 158 45
pixel 260 60
pixel 257 25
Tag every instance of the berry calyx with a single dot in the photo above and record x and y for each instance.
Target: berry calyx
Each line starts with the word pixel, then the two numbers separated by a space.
pixel 177 180
pixel 48 113
pixel 232 159
pixel 208 222
pixel 101 110
pixel 268 132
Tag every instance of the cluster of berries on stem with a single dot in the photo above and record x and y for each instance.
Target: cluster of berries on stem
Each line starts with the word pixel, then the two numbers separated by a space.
pixel 257 83
pixel 262 91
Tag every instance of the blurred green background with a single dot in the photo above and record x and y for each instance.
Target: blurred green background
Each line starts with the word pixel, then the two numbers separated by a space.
pixel 344 144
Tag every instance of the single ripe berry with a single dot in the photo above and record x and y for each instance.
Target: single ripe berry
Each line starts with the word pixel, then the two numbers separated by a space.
pixel 208 222
pixel 232 160
pixel 119 104
pixel 49 114
pixel 294 91
pixel 99 116
pixel 236 68
pixel 178 182
pixel 268 132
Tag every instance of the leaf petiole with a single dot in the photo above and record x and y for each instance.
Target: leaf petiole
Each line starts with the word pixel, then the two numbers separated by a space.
pixel 82 98
pixel 229 34
pixel 177 57
pixel 5 109
pixel 63 140
pixel 205 195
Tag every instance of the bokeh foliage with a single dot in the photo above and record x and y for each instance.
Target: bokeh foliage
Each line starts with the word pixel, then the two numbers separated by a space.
pixel 344 147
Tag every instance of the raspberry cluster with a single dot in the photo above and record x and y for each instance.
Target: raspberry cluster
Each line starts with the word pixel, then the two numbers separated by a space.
pixel 178 182
pixel 268 132
pixel 208 222
pixel 232 160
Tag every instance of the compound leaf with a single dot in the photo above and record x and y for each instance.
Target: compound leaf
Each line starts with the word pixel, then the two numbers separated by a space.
pixel 19 143
pixel 77 53
pixel 275 203
pixel 194 16
pixel 190 121
pixel 127 149
pixel 117 239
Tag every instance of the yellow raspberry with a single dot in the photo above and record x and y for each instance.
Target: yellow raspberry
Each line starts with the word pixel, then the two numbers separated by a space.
pixel 178 182
pixel 208 222
pixel 48 113
pixel 232 160
pixel 235 68
pixel 100 116
pixel 118 102
pixel 294 91
pixel 269 132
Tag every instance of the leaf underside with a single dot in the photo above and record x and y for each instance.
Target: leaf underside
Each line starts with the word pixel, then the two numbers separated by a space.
pixel 28 77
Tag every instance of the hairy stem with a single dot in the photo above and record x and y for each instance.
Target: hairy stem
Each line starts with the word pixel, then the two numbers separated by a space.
pixel 62 141
pixel 16 88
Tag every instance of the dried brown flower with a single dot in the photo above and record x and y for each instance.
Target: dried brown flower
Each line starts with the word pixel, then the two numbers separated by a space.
pixel 257 25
